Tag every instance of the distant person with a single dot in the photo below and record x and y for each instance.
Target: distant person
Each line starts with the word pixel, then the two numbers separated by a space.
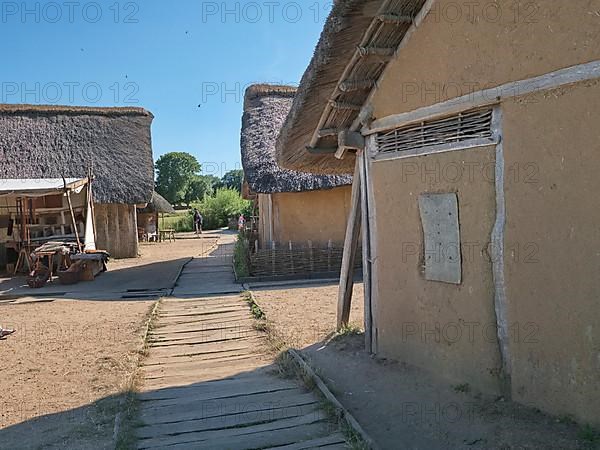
pixel 197 221
pixel 4 333
pixel 241 223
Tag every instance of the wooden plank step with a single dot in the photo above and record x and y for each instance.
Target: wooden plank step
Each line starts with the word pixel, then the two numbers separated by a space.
pixel 218 394
pixel 205 410
pixel 263 401
pixel 208 312
pixel 202 325
pixel 258 440
pixel 175 362
pixel 217 423
pixel 207 348
pixel 200 319
pixel 184 367
pixel 273 426
pixel 218 387
pixel 213 356
pixel 175 380
pixel 211 326
pixel 207 338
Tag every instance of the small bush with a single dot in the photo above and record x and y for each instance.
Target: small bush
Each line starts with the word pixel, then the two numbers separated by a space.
pixel 241 255
pixel 224 205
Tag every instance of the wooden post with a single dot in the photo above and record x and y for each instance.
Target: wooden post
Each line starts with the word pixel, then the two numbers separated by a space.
pixel 311 256
pixel 349 255
pixel 366 251
pixel 291 256
pixel 68 194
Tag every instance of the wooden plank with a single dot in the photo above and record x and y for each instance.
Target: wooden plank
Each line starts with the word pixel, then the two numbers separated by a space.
pixel 230 391
pixel 373 240
pixel 217 385
pixel 258 440
pixel 231 329
pixel 205 410
pixel 350 246
pixel 205 349
pixel 206 338
pixel 366 249
pixel 178 380
pixel 227 406
pixel 269 427
pixel 217 423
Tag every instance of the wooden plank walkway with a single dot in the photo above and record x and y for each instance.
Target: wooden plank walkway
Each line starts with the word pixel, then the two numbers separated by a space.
pixel 210 384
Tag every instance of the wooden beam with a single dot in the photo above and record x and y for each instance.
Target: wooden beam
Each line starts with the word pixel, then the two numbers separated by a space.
pixel 349 141
pixel 344 105
pixel 377 51
pixel 321 150
pixel 366 251
pixel 395 19
pixel 355 85
pixel 326 132
pixel 349 256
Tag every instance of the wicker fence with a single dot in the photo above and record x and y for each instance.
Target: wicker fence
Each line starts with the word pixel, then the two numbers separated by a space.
pixel 297 258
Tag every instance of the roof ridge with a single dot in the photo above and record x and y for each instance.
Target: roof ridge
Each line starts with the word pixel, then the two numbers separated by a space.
pixel 74 110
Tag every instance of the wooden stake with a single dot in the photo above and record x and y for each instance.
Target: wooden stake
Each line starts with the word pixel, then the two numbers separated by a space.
pixel 349 255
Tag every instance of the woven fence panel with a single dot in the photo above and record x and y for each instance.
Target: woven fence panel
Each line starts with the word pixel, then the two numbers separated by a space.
pixel 283 261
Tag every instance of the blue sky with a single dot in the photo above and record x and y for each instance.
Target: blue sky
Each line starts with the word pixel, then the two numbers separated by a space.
pixel 168 57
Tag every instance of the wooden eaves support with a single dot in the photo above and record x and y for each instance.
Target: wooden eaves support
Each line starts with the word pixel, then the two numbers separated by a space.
pixel 350 141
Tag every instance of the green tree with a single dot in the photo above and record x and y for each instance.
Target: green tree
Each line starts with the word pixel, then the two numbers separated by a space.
pixel 174 172
pixel 233 180
pixel 199 187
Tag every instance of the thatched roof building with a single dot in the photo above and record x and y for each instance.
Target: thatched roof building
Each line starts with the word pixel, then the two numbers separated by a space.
pixel 265 110
pixel 359 38
pixel 55 141
pixel 158 204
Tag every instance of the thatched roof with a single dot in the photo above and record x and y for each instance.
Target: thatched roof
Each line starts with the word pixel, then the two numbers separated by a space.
pixel 347 62
pixel 54 141
pixel 265 109
pixel 158 204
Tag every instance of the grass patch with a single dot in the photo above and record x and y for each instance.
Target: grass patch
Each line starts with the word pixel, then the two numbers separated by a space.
pixel 241 257
pixel 255 309
pixel 128 414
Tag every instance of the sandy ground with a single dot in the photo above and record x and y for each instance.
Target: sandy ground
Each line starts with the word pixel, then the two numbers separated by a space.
pixel 155 270
pixel 64 368
pixel 400 406
pixel 65 356
pixel 305 315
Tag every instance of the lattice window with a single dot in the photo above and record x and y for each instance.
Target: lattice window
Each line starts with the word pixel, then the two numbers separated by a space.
pixel 453 130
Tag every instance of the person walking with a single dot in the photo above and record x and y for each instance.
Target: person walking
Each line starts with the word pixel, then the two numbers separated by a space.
pixel 197 221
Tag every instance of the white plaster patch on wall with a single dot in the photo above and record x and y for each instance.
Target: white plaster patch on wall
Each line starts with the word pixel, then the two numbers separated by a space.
pixel 441 232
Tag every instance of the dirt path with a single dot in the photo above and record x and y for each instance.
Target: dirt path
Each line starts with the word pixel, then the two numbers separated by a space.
pixel 209 381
